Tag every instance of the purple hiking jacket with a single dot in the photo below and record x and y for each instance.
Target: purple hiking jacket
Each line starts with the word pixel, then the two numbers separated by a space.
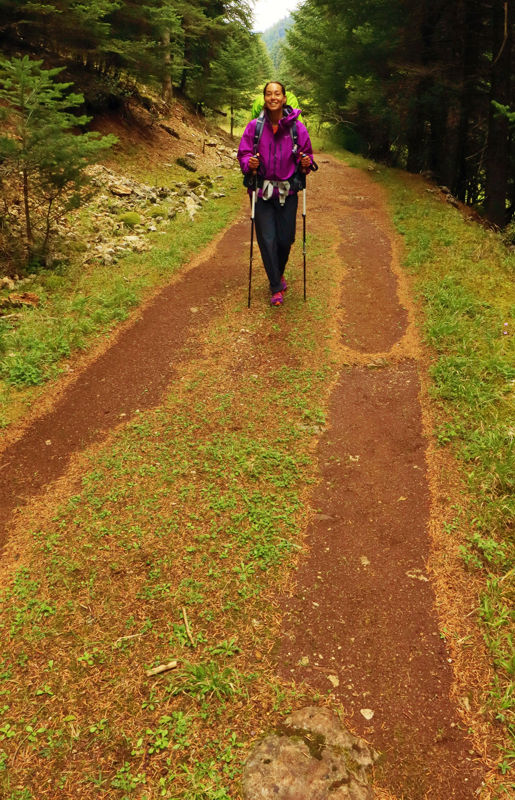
pixel 277 161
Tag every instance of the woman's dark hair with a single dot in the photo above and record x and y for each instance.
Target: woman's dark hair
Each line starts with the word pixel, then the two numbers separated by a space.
pixel 278 83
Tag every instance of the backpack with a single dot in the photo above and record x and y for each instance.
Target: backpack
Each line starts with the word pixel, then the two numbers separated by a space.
pixel 259 102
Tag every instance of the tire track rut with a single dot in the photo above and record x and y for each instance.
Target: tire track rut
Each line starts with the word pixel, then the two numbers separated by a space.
pixel 362 616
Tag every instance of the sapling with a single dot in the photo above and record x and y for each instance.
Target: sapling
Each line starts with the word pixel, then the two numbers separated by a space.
pixel 42 156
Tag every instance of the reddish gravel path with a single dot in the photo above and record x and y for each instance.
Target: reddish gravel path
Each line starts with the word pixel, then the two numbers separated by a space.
pixel 363 608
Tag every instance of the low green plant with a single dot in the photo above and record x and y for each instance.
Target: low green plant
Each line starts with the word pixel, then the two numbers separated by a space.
pixel 130 218
pixel 126 781
pixel 228 648
pixel 205 681
pixel 158 211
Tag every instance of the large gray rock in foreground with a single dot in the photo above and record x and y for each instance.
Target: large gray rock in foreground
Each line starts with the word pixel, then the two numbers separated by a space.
pixel 310 757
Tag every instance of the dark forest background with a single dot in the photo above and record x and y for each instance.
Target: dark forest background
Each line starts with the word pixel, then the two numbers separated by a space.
pixel 204 49
pixel 423 84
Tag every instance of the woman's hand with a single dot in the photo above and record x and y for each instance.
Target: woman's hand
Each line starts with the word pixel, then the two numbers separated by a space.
pixel 254 163
pixel 305 162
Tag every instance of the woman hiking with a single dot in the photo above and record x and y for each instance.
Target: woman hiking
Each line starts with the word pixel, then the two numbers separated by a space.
pixel 279 162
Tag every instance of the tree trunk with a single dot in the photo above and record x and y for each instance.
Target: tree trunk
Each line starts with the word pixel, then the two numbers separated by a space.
pixel 467 156
pixel 498 144
pixel 167 88
pixel 438 135
pixel 185 62
pixel 28 224
pixel 416 134
pixel 48 224
pixel 232 122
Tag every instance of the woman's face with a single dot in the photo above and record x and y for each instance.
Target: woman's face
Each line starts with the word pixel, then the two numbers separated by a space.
pixel 274 97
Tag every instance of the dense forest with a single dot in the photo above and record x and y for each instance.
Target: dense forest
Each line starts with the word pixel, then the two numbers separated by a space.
pixel 203 48
pixel 428 86
pixel 64 61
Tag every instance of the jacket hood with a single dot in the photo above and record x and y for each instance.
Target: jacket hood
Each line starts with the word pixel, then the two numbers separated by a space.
pixel 291 114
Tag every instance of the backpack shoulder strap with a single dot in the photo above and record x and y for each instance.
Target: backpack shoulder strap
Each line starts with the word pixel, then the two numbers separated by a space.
pixel 294 137
pixel 258 131
pixel 293 131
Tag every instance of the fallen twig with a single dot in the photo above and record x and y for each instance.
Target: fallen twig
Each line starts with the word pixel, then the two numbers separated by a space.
pixel 161 668
pixel 132 636
pixel 187 626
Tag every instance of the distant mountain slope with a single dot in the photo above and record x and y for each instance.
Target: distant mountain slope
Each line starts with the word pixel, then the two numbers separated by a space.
pixel 274 36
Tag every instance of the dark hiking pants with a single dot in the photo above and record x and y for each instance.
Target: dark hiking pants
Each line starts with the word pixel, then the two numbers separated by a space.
pixel 275 232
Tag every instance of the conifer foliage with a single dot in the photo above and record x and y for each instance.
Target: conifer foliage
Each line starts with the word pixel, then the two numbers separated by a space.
pixel 426 85
pixel 167 43
pixel 41 158
pixel 108 49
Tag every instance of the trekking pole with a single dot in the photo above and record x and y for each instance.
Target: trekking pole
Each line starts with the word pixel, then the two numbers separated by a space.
pixel 304 236
pixel 314 168
pixel 252 217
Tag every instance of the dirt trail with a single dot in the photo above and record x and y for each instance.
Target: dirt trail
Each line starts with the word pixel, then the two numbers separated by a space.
pixel 132 374
pixel 363 609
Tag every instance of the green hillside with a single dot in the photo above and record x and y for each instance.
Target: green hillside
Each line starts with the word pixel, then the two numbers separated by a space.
pixel 275 36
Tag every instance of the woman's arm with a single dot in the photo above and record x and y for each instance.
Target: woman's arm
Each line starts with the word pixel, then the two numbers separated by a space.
pixel 245 150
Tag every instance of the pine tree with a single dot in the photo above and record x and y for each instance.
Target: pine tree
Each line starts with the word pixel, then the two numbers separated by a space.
pixel 498 143
pixel 240 65
pixel 41 156
pixel 420 82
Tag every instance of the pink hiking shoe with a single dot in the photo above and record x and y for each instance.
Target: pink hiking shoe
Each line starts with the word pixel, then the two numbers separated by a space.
pixel 284 285
pixel 277 299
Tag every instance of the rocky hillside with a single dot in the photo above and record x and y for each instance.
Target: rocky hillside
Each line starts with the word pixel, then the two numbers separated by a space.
pixel 191 152
pixel 164 164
